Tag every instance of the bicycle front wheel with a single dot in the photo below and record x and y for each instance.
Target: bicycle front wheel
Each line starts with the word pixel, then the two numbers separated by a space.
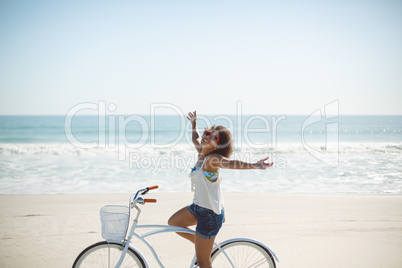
pixel 106 255
pixel 242 254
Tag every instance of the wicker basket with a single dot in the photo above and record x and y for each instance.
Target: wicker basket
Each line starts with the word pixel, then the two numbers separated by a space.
pixel 115 221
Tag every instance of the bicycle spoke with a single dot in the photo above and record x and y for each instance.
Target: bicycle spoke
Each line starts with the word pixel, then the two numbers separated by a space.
pixel 243 254
pixel 107 255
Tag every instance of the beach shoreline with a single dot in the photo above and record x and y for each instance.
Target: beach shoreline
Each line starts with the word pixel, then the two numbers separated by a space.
pixel 304 230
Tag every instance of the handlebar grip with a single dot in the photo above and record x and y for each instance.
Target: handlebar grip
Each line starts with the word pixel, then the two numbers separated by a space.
pixel 153 187
pixel 149 200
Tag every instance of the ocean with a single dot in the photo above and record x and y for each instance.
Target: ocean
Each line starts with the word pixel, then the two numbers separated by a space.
pixel 121 153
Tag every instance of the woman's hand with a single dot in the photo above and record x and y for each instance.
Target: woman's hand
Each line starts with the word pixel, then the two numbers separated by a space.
pixel 192 117
pixel 262 165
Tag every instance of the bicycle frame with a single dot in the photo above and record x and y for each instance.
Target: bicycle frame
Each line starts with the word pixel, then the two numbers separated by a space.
pixel 160 229
pixel 164 229
pixel 170 229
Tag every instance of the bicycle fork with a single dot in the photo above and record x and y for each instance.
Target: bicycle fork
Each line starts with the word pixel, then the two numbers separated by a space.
pixel 130 235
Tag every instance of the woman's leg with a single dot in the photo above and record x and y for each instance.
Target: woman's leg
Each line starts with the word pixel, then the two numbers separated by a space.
pixel 184 218
pixel 203 250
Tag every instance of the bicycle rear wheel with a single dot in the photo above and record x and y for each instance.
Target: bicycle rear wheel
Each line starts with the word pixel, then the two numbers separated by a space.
pixel 242 254
pixel 106 255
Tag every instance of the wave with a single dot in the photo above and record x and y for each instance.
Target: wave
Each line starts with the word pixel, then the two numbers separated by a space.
pixel 66 149
pixel 65 168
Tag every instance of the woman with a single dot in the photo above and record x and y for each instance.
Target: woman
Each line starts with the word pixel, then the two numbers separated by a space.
pixel 207 210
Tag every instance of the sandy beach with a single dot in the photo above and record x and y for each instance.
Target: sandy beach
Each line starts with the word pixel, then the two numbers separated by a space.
pixel 303 230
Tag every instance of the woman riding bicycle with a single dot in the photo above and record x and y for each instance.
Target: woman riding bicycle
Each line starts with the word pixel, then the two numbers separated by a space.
pixel 207 211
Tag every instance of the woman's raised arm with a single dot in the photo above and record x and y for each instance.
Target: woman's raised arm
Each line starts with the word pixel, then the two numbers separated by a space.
pixel 192 117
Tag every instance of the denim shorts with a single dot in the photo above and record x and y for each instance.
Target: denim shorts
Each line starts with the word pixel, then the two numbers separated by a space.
pixel 208 222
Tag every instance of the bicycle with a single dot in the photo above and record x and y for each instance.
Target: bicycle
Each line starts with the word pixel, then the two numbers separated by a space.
pixel 117 252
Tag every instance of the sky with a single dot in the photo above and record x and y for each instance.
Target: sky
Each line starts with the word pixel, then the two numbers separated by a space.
pixel 213 56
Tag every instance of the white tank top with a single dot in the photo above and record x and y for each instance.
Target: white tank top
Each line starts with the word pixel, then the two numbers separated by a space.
pixel 207 194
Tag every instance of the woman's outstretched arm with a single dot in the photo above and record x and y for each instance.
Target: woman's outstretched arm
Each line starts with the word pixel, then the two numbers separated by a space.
pixel 219 161
pixel 192 117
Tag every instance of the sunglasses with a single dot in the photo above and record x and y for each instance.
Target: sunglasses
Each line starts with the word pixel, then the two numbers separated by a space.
pixel 213 137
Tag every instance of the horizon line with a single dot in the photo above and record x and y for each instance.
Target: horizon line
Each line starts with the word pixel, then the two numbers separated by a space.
pixel 173 114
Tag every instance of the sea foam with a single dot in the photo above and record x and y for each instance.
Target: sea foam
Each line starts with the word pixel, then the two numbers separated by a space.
pixel 64 168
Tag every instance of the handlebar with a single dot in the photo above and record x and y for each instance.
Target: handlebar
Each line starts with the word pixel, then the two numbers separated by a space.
pixel 140 200
pixel 153 187
pixel 146 190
